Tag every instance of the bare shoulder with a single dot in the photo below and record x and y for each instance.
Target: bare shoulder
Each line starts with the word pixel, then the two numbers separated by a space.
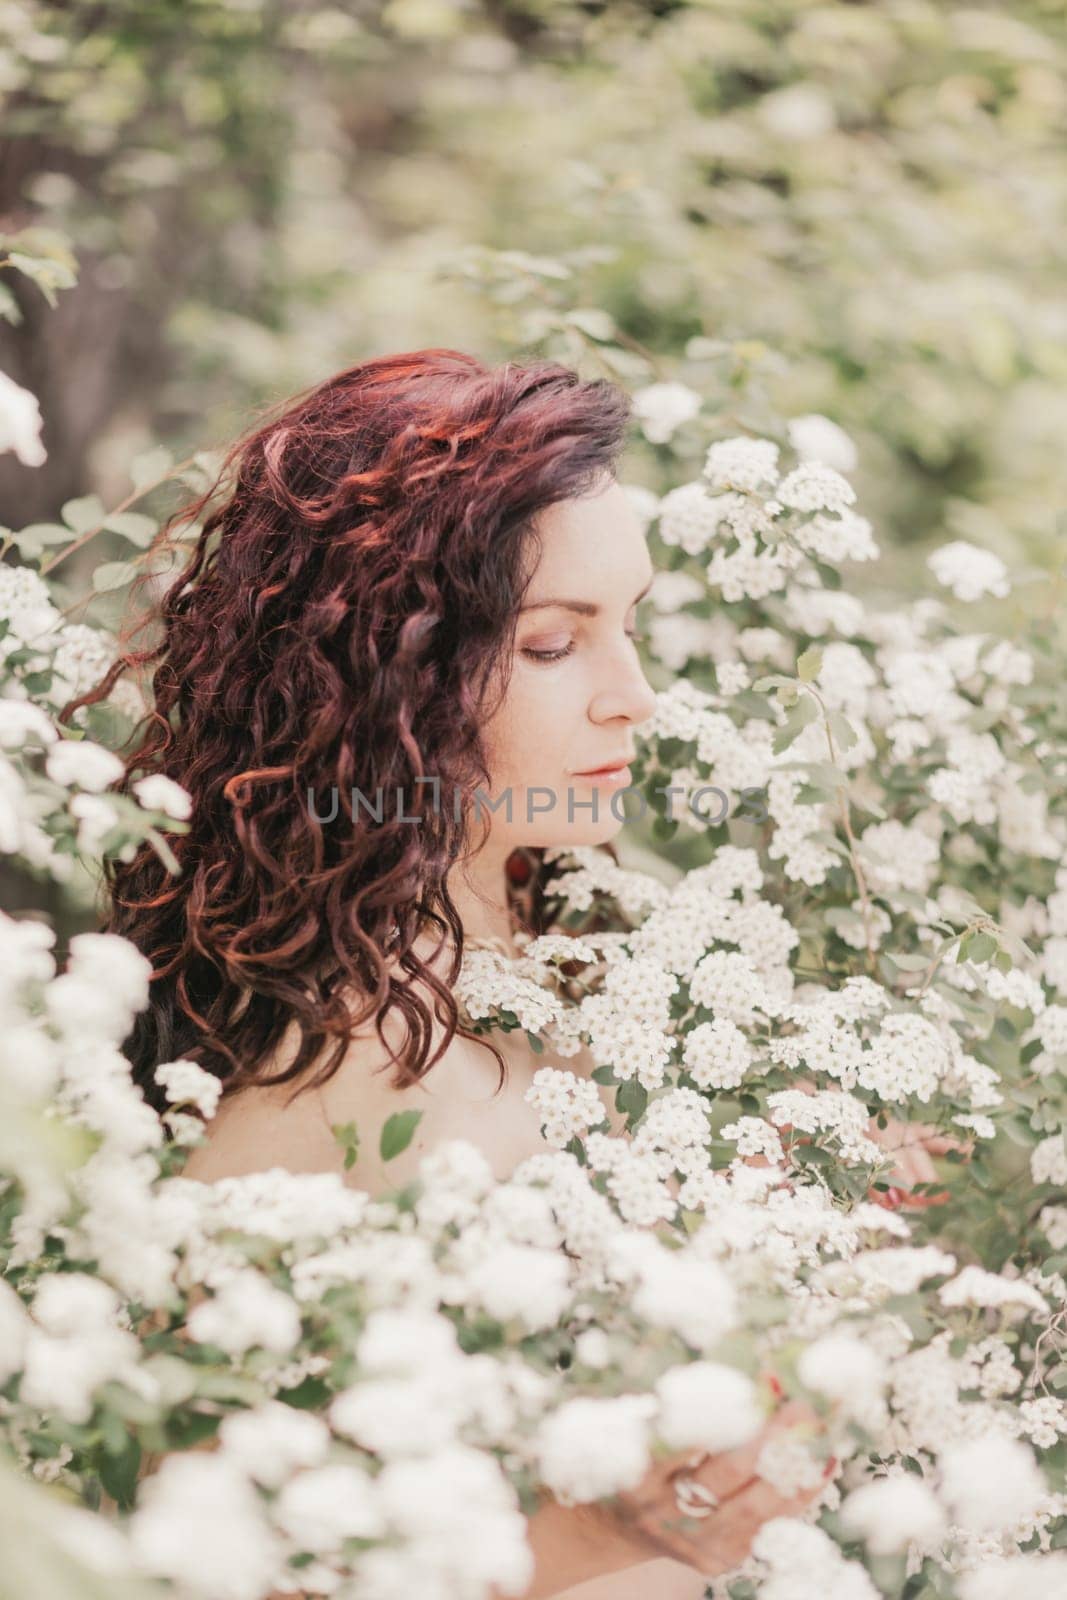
pixel 256 1129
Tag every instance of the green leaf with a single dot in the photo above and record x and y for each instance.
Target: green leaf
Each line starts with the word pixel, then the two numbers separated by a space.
pixel 981 947
pixel 35 535
pixel 603 1075
pixel 809 664
pixel 397 1133
pixel 119 1469
pixel 47 275
pixel 536 1044
pixel 147 468
pixel 87 512
pixel 598 324
pixel 842 730
pixel 347 1136
pixel 134 526
pixel 113 575
pixel 631 1098
pixel 804 712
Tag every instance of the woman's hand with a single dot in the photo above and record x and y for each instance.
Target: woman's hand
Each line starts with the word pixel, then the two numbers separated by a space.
pixel 735 1502
pixel 913 1144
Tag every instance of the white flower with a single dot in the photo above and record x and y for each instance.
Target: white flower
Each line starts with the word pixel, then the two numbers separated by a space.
pixel 320 1508
pixel 515 1280
pixel 689 517
pixel 842 1367
pixel 399 1416
pixel 968 571
pixel 96 817
pixel 593 1447
pixel 813 486
pixel 743 464
pixel 20 423
pixel 891 1512
pixel 68 1303
pixel 159 793
pixel 200 1523
pixel 82 762
pixel 274 1439
pixel 990 1483
pixel 21 720
pixel 247 1311
pixel 974 1286
pixel 708 1406
pixel 662 407
pixel 186 1082
pixel 797 111
pixel 1048 1160
pixel 816 438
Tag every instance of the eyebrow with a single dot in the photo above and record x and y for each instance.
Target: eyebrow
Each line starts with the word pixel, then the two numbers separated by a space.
pixel 584 608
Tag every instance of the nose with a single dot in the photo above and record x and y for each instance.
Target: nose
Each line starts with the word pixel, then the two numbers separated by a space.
pixel 628 694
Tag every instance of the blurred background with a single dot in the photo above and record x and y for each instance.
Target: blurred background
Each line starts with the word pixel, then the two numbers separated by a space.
pixel 850 210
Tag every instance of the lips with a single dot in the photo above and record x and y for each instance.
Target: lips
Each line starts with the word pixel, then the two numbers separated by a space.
pixel 609 766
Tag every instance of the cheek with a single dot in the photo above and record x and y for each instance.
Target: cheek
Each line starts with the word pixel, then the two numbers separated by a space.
pixel 528 739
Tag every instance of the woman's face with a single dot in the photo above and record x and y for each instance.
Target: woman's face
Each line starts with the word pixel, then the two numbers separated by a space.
pixel 577 691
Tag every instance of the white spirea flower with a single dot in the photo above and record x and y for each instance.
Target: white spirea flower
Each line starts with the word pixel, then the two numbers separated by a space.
pixel 20 423
pixel 1036 1575
pixel 842 1367
pixel 323 1506
pixel 458 1517
pixel 69 1303
pixel 969 571
pixel 593 1447
pixel 707 1406
pixel 689 517
pixel 568 1105
pixel 742 464
pixel 83 763
pixel 22 723
pixel 804 1563
pixel 974 1286
pixel 892 1512
pixel 26 606
pixel 1048 1160
pixel 813 486
pixel 156 792
pixel 674 1289
pixel 399 1339
pixel 399 1416
pixel 797 111
pixel 660 408
pixel 200 1523
pixel 514 1280
pixel 817 438
pixel 990 1483
pixel 247 1312
pixel 185 1081
pixel 273 1440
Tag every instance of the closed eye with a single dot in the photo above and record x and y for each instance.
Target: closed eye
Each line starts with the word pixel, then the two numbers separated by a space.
pixel 558 655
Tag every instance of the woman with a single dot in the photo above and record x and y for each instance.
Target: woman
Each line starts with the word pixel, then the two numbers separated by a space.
pixel 402 647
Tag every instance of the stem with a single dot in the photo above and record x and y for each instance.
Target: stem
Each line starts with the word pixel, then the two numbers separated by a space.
pixel 861 881
pixel 136 494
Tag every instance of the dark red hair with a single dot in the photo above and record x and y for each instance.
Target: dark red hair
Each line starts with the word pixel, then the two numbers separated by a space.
pixel 346 611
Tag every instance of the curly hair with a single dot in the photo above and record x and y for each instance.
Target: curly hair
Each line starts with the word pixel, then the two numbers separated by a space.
pixel 348 608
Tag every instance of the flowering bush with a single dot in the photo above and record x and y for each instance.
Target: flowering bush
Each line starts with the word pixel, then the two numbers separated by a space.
pixel 387 1386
